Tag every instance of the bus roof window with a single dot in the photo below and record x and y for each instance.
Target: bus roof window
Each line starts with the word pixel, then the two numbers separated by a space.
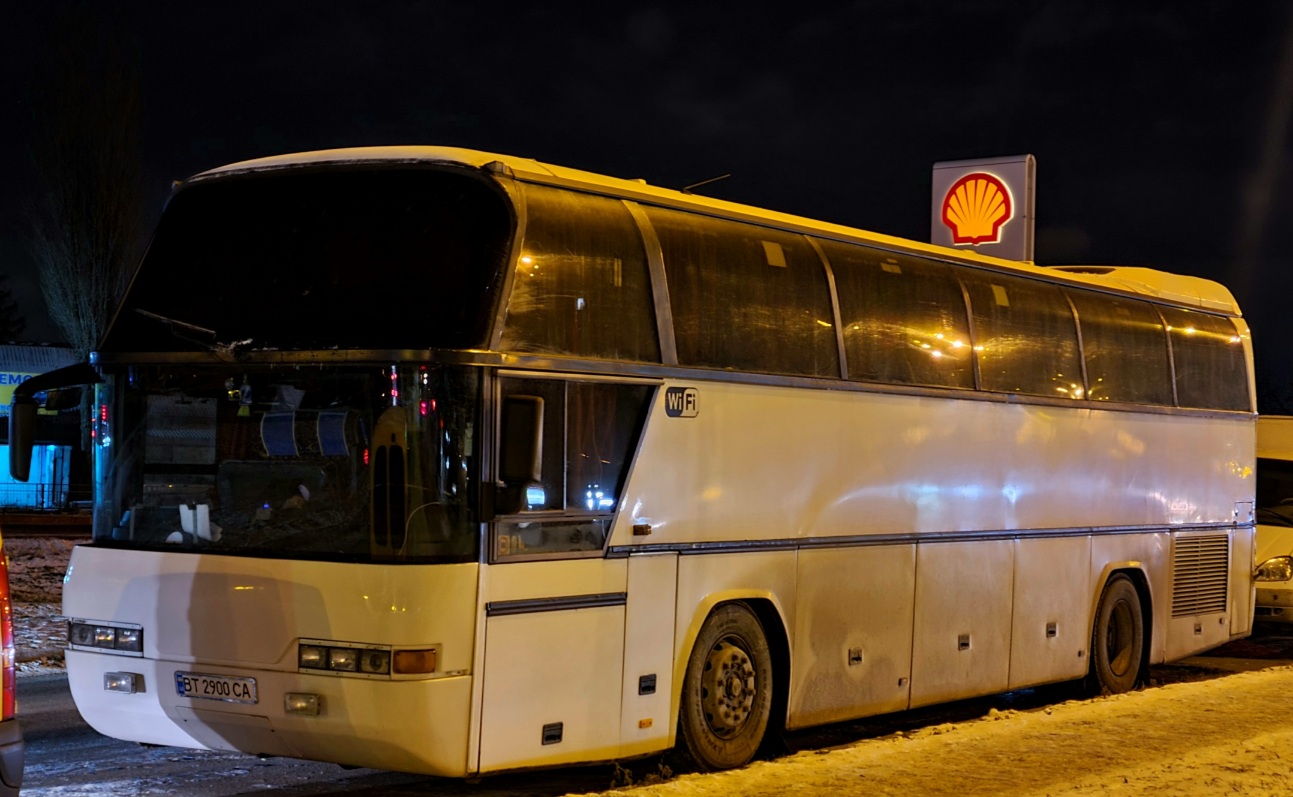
pixel 732 311
pixel 904 322
pixel 1025 336
pixel 582 286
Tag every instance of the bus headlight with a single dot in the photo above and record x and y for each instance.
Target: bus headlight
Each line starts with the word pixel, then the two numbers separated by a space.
pixel 106 637
pixel 1279 568
pixel 343 658
pixel 376 662
pixel 313 657
pixel 129 639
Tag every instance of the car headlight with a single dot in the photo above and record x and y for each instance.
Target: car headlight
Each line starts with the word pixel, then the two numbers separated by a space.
pixel 1279 568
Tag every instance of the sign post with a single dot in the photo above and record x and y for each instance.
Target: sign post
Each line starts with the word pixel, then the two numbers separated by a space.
pixel 987 204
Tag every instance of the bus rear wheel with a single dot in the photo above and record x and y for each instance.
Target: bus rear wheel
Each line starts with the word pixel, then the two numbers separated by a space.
pixel 1118 638
pixel 727 690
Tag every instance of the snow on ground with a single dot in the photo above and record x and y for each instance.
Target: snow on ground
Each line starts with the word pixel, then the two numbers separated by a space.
pixel 36 568
pixel 1229 735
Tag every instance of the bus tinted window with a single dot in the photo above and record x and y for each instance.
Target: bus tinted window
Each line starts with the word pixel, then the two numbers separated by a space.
pixel 1209 356
pixel 581 286
pixel 1025 336
pixel 349 258
pixel 904 319
pixel 1126 349
pixel 745 297
pixel 354 463
pixel 590 430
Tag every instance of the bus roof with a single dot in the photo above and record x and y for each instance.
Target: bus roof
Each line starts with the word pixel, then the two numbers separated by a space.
pixel 1175 288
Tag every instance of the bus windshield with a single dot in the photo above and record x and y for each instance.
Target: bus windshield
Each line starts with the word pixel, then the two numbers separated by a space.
pixel 353 258
pixel 355 463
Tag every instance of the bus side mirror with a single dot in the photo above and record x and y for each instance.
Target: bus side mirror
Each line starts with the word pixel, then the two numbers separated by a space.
pixel 22 437
pixel 520 451
pixel 65 398
pixel 23 409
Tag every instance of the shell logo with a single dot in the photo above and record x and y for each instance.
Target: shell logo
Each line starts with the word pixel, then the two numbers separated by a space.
pixel 976 207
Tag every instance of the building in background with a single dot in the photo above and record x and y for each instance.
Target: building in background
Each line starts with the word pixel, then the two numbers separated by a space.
pixel 57 458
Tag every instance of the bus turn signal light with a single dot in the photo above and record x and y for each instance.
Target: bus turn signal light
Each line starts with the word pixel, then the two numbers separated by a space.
pixel 415 662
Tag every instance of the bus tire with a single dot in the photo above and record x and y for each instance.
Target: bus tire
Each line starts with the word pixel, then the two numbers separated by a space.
pixel 727 690
pixel 1118 639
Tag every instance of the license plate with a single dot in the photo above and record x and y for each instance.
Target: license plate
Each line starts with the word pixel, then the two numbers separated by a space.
pixel 215 687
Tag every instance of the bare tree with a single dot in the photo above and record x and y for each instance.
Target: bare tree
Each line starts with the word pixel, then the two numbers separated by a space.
pixel 88 225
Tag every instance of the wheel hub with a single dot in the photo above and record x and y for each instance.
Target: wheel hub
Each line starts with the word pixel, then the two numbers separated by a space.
pixel 729 688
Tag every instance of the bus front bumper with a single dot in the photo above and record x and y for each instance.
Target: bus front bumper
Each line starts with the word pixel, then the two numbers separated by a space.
pixel 403 725
pixel 1274 602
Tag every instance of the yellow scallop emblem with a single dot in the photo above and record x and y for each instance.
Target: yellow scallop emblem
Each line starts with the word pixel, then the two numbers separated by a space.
pixel 975 208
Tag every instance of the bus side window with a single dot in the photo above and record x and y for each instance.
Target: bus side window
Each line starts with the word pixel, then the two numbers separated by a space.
pixel 1125 347
pixel 544 492
pixel 590 430
pixel 1209 357
pixel 1025 336
pixel 746 298
pixel 581 287
pixel 904 319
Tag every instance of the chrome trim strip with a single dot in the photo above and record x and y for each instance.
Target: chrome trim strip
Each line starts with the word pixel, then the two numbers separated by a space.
pixel 519 203
pixel 971 329
pixel 1077 326
pixel 647 371
pixel 1171 353
pixel 869 540
pixel 560 604
pixel 610 378
pixel 835 304
pixel 659 284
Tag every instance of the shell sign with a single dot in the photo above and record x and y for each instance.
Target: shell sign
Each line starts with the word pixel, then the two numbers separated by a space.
pixel 986 204
pixel 976 207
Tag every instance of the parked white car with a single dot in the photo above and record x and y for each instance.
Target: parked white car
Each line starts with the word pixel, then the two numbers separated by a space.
pixel 1274 519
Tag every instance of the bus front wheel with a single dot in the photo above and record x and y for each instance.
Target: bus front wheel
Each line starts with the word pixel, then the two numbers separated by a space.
pixel 1118 639
pixel 727 690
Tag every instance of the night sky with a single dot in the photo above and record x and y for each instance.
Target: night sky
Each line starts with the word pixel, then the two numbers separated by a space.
pixel 1161 129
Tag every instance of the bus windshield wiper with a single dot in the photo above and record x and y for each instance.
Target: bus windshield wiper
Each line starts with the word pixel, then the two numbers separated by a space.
pixel 175 323
pixel 177 326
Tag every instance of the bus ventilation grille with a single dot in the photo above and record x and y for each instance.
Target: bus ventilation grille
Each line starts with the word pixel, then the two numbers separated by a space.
pixel 1200 573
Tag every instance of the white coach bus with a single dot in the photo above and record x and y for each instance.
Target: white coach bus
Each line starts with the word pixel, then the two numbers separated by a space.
pixel 448 462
